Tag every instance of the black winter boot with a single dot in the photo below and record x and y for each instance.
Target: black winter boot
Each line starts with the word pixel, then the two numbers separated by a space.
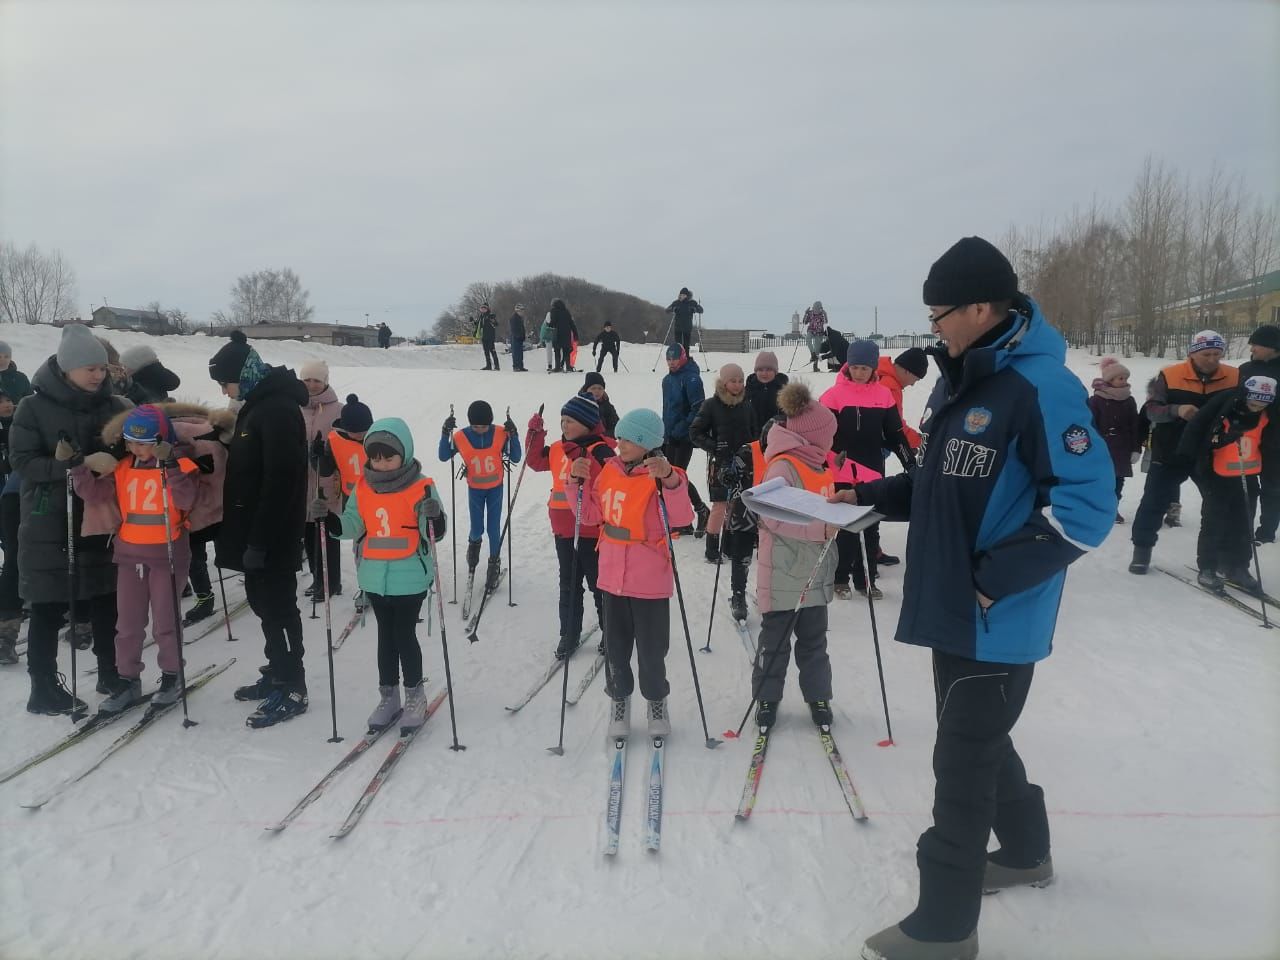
pixel 202 610
pixel 1141 561
pixel 50 697
pixel 713 548
pixel 473 554
pixel 108 680
pixel 491 576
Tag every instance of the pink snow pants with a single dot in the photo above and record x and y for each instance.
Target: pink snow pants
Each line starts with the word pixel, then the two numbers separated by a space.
pixel 143 586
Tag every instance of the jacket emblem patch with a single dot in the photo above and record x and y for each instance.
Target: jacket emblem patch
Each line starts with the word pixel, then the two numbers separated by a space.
pixel 1076 440
pixel 976 420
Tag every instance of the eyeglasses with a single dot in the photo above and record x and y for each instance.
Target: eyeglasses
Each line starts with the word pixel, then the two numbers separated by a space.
pixel 946 313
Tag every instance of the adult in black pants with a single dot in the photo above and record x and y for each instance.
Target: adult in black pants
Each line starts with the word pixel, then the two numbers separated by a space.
pixel 608 343
pixel 682 396
pixel 682 309
pixel 263 518
pixel 516 329
pixel 72 399
pixel 1264 361
pixel 566 332
pixel 1014 485
pixel 487 328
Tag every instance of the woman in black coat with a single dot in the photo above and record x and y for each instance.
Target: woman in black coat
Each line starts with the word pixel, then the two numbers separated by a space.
pixel 763 387
pixel 565 333
pixel 72 400
pixel 724 422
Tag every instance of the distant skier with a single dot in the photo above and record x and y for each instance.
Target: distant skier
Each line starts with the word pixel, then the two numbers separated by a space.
pixel 487 331
pixel 815 329
pixel 609 344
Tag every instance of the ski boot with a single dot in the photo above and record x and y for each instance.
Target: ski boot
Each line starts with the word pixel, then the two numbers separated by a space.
pixel 620 718
pixel 659 719
pixel 703 515
pixel 1119 520
pixel 49 696
pixel 893 943
pixel 81 635
pixel 1141 561
pixel 887 559
pixel 492 574
pixel 1209 580
pixel 170 690
pixel 415 707
pixel 1173 515
pixel 997 876
pixel 359 602
pixel 9 628
pixel 1242 579
pixel 1260 537
pixel 820 710
pixel 285 702
pixel 876 593
pixel 126 692
pixel 473 554
pixel 388 708
pixel 566 647
pixel 8 652
pixel 738 606
pixel 766 714
pixel 257 691
pixel 713 548
pixel 202 610
pixel 108 678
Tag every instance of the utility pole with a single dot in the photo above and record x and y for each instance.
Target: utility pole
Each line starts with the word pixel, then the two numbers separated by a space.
pixel 877 318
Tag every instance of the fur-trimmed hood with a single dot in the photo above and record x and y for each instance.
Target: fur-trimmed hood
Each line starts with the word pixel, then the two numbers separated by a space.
pixel 727 398
pixel 113 429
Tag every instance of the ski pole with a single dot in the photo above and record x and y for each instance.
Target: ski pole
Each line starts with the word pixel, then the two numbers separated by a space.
pixel 558 749
pixel 875 639
pixel 711 742
pixel 1257 569
pixel 473 636
pixel 76 714
pixel 226 614
pixel 786 633
pixel 792 364
pixel 624 365
pixel 511 569
pixel 453 512
pixel 173 586
pixel 663 352
pixel 715 592
pixel 444 633
pixel 322 527
pixel 315 527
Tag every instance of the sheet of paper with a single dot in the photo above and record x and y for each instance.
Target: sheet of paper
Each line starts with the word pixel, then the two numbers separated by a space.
pixel 778 500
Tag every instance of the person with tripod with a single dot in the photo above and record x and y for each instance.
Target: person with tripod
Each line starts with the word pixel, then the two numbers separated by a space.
pixel 1013 484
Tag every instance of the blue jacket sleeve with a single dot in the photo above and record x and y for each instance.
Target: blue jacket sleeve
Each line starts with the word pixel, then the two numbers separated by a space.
pixel 514 450
pixel 694 394
pixel 1074 484
pixel 446 448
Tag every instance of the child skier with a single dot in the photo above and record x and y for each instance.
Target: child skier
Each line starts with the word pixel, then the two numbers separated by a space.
pixel 867 425
pixel 143 577
pixel 594 387
pixel 725 422
pixel 635 563
pixel 343 449
pixel 320 413
pixel 196 430
pixel 392 509
pixel 1226 440
pixel 797 452
pixel 580 429
pixel 1116 416
pixel 483 448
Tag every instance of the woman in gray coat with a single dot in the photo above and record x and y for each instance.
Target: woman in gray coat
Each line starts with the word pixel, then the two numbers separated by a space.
pixel 72 398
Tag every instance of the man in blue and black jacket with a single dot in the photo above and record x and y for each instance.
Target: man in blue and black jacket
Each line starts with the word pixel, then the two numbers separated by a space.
pixel 1012 485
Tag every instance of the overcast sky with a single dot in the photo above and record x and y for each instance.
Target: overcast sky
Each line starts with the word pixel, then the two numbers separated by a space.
pixel 764 155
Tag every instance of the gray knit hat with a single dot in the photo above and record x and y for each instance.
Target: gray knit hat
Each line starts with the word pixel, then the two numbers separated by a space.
pixel 79 348
pixel 4 350
pixel 135 358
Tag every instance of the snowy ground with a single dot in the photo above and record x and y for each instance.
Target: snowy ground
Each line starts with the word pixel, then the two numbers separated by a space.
pixel 1153 729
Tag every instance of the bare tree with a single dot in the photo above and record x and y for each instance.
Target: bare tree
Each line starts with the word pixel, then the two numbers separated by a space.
pixel 35 287
pixel 1260 243
pixel 1215 226
pixel 269 296
pixel 1153 220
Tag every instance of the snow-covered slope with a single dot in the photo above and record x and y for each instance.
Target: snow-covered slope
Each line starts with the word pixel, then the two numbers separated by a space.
pixel 1153 729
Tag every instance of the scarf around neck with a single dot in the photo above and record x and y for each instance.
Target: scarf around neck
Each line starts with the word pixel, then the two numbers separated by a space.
pixel 1103 389
pixel 392 481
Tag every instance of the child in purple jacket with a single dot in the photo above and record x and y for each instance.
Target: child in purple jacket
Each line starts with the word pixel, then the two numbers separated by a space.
pixel 1115 414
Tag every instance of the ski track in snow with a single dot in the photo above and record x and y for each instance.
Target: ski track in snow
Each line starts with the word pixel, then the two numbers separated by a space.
pixel 1153 729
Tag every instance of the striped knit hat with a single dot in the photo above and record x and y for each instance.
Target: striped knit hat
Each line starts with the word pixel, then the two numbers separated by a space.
pixel 583 409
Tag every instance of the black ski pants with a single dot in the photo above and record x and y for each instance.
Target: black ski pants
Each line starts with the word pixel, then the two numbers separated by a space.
pixel 980 786
pixel 198 575
pixel 644 626
pixel 587 566
pixel 607 353
pixel 490 355
pixel 10 514
pixel 1161 489
pixel 1266 487
pixel 49 618
pixel 398 648
pixel 334 548
pixel 1225 543
pixel 682 337
pixel 272 596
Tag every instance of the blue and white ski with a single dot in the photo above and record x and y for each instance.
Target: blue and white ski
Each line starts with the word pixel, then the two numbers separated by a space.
pixel 613 812
pixel 653 808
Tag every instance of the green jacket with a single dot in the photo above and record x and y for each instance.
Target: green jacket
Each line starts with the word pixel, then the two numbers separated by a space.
pixel 394 578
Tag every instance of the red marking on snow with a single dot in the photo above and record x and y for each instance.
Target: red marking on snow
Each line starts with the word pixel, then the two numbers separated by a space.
pixel 886 743
pixel 731 734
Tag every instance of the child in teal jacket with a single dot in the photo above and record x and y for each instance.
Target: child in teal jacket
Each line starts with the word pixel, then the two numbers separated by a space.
pixel 391 512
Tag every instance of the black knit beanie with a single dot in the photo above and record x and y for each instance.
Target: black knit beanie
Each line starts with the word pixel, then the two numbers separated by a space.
pixel 913 360
pixel 972 271
pixel 227 363
pixel 480 413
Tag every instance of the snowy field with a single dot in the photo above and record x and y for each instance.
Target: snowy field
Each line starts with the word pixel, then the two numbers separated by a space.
pixel 1153 729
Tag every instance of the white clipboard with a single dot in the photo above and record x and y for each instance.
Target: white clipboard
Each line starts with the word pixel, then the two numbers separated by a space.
pixel 778 500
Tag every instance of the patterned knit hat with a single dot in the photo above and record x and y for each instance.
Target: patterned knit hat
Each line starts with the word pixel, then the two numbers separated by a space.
pixel 583 409
pixel 675 352
pixel 1207 340
pixel 148 424
pixel 1260 389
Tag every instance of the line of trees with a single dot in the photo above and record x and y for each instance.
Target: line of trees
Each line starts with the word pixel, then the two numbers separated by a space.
pixel 1171 243
pixel 633 319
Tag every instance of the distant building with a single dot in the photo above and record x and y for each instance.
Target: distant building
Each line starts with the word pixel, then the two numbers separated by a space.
pixel 335 334
pixel 725 341
pixel 795 322
pixel 1229 308
pixel 140 321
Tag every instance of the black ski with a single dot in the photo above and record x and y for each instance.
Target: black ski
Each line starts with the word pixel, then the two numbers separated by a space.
pixel 1220 595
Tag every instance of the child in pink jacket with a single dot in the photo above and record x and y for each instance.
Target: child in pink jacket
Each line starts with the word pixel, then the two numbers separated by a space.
pixel 635 576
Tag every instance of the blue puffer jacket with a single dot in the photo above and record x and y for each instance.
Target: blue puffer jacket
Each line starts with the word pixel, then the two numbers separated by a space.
pixel 682 397
pixel 1012 484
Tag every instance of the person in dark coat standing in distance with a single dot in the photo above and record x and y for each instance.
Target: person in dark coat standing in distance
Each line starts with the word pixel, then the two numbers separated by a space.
pixel 72 399
pixel 264 503
pixel 763 387
pixel 487 331
pixel 384 335
pixel 515 327
pixel 609 344
pixel 566 332
pixel 682 309
pixel 12 380
pixel 682 396
pixel 1264 361
pixel 1013 485
pixel 1116 416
